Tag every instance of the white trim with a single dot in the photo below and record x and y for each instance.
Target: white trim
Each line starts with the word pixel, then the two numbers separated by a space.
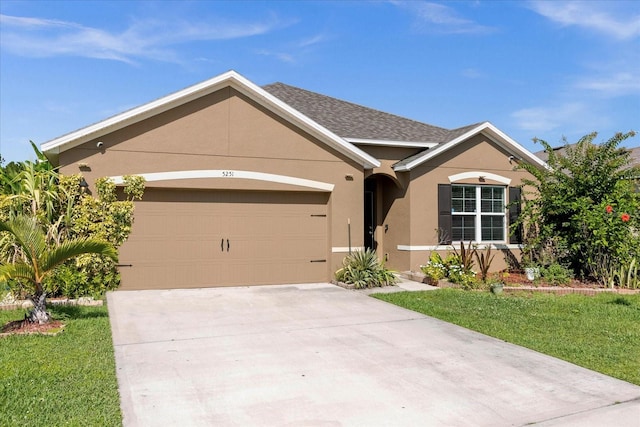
pixel 230 174
pixel 499 246
pixel 479 174
pixel 231 78
pixel 389 143
pixel 495 134
pixel 345 249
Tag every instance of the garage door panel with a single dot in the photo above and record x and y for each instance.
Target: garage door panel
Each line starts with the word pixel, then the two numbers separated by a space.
pixel 200 239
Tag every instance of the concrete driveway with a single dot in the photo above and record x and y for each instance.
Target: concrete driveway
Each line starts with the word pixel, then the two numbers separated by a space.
pixel 319 355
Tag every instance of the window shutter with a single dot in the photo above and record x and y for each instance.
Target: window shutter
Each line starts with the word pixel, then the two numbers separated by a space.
pixel 444 214
pixel 515 236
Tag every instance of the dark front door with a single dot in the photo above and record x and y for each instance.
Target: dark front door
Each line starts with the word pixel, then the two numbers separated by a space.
pixel 369 214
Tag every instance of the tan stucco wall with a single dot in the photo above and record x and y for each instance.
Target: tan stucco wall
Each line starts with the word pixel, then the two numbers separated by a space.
pixel 477 154
pixel 227 131
pixel 396 205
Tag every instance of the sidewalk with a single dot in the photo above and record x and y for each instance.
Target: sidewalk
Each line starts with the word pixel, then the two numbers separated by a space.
pixel 402 286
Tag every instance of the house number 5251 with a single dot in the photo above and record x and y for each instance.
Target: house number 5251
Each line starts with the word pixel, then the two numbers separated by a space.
pixel 227 174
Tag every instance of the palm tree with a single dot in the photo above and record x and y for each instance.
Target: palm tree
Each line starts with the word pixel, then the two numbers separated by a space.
pixel 39 259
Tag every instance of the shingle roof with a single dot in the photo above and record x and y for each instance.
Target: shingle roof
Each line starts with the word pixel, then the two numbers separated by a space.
pixel 350 120
pixel 353 121
pixel 634 154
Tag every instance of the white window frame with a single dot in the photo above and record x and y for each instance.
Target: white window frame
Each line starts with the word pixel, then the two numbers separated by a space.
pixel 478 214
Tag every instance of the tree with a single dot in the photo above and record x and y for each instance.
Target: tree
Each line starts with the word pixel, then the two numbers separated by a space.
pixel 29 188
pixel 567 212
pixel 39 258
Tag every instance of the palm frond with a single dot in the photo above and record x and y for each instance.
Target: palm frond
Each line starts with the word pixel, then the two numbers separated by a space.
pixel 40 258
pixel 28 235
pixel 18 270
pixel 72 248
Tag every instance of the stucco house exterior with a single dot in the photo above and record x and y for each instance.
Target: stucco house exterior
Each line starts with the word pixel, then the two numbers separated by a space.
pixel 250 185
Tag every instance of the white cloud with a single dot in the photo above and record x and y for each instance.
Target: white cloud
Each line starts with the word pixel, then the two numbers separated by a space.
pixel 617 19
pixel 616 84
pixel 439 18
pixel 318 38
pixel 151 39
pixel 282 56
pixel 292 52
pixel 568 117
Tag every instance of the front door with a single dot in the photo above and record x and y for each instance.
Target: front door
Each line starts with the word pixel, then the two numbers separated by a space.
pixel 369 214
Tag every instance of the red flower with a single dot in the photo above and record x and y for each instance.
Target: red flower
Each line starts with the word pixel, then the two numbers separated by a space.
pixel 625 217
pixel 609 209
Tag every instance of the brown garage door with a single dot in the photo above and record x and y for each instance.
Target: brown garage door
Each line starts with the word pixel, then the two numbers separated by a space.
pixel 189 239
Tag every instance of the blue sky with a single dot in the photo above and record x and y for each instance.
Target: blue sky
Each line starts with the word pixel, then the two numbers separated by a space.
pixel 543 69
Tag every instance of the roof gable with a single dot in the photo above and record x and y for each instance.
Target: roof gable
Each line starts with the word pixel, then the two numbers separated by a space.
pixel 463 134
pixel 231 78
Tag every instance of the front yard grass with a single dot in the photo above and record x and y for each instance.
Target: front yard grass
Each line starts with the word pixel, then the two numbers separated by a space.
pixel 599 332
pixel 68 379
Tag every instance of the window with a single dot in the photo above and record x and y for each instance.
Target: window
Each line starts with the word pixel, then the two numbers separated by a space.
pixel 478 213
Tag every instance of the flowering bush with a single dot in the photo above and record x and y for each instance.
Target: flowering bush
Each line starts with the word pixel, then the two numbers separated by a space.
pixel 434 268
pixel 451 268
pixel 614 235
pixel 466 278
pixel 586 204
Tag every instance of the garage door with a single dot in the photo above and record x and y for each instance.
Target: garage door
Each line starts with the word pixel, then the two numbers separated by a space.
pixel 188 239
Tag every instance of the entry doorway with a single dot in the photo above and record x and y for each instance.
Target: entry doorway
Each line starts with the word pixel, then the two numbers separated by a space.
pixel 370 187
pixel 380 193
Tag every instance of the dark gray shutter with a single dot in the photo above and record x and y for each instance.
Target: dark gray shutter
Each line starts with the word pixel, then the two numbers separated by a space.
pixel 515 236
pixel 444 214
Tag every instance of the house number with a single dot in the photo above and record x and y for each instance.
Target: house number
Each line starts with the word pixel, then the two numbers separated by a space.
pixel 227 174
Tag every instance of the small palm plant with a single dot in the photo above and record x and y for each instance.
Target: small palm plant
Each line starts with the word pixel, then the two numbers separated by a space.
pixel 38 259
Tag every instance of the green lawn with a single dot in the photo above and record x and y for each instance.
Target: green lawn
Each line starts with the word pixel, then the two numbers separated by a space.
pixel 600 332
pixel 68 379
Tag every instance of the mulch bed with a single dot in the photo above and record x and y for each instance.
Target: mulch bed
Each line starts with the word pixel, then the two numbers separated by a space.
pixel 518 282
pixel 24 327
pixel 520 279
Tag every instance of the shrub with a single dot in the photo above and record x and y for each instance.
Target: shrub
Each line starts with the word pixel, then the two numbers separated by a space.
pixel 103 217
pixel 459 271
pixel 65 211
pixel 465 278
pixel 363 269
pixel 583 209
pixel 556 274
pixel 434 268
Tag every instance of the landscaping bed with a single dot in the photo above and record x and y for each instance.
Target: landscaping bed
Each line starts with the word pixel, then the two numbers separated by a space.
pixel 517 281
